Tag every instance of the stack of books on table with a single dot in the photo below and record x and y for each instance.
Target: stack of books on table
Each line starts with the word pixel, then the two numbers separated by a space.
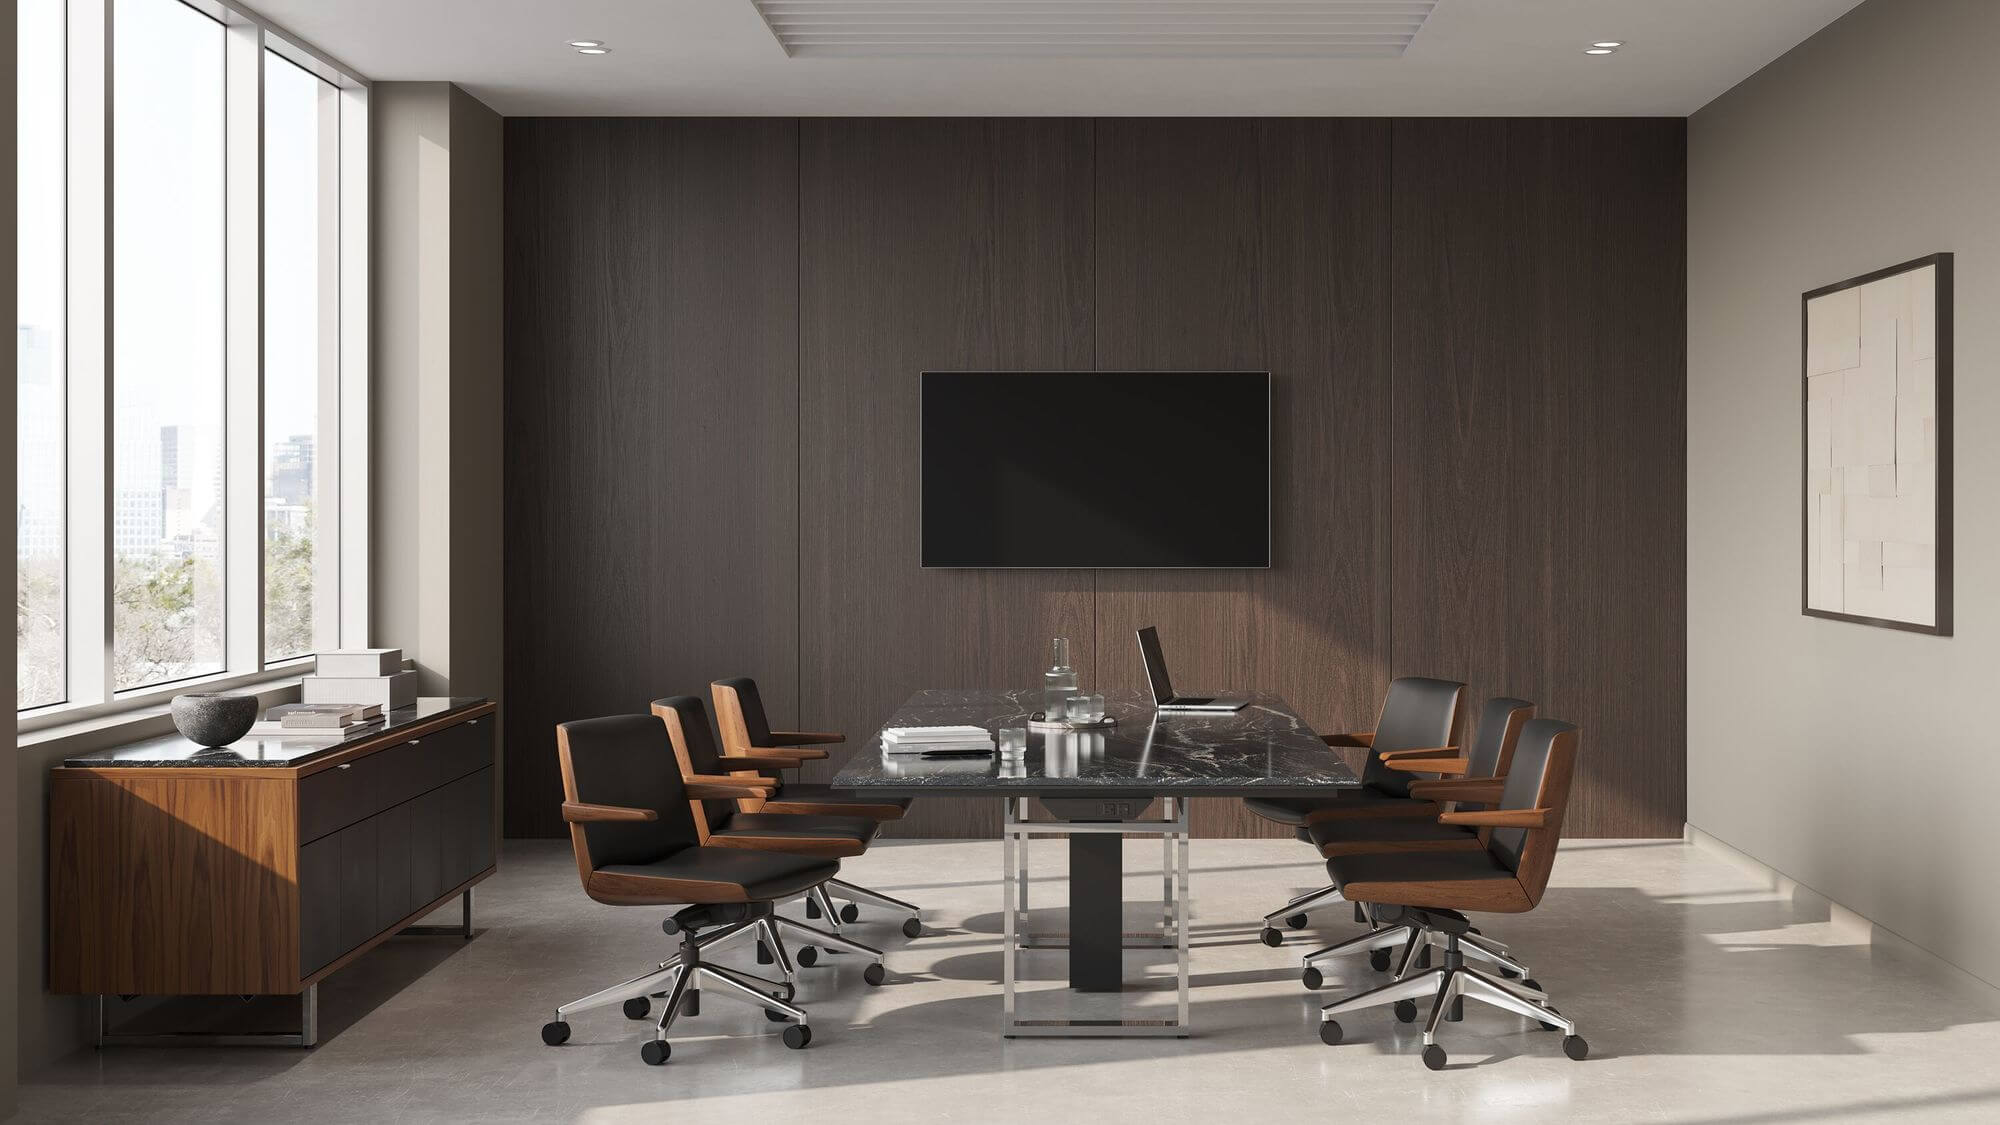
pixel 316 720
pixel 361 676
pixel 923 740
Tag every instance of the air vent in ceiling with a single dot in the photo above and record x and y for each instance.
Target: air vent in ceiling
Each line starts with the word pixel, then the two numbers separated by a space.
pixel 1340 29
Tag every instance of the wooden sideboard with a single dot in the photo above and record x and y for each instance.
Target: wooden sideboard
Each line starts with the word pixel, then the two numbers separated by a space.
pixel 260 868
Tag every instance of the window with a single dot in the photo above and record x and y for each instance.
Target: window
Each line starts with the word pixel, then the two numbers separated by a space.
pixel 38 357
pixel 167 351
pixel 189 281
pixel 301 354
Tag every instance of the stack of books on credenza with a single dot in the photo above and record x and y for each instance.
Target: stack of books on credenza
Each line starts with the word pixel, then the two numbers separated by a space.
pixel 317 720
pixel 361 677
pixel 925 740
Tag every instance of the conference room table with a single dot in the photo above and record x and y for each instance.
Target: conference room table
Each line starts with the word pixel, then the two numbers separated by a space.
pixel 1097 787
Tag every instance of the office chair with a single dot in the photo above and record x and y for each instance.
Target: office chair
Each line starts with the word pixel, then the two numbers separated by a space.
pixel 638 842
pixel 1430 891
pixel 724 824
pixel 1478 780
pixel 747 735
pixel 1418 717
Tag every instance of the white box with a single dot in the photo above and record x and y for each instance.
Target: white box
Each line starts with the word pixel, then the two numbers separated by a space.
pixel 391 692
pixel 353 662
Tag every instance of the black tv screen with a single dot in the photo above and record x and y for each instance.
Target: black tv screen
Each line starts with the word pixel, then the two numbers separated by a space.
pixel 1096 469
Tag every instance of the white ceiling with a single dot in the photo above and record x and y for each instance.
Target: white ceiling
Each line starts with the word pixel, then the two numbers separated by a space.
pixel 695 57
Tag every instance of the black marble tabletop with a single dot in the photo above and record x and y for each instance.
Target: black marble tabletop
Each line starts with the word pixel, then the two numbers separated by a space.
pixel 1263 750
pixel 267 750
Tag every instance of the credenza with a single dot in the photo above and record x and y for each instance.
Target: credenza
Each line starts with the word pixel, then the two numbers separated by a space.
pixel 258 869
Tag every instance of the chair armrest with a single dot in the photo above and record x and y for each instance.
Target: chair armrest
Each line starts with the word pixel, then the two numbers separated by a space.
pixel 1427 765
pixel 1360 738
pixel 779 761
pixel 577 812
pixel 1499 818
pixel 763 784
pixel 1484 790
pixel 795 753
pixel 1424 752
pixel 804 738
pixel 711 791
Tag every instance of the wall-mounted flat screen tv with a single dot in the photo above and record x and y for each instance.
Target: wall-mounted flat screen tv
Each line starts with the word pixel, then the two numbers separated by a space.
pixel 1096 469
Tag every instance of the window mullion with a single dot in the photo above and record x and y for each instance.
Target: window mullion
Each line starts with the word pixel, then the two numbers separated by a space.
pixel 243 396
pixel 88 240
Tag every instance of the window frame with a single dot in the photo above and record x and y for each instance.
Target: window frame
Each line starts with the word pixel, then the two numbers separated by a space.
pixel 90 378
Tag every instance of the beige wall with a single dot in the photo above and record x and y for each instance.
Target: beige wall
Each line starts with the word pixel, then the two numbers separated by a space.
pixel 435 404
pixel 1857 760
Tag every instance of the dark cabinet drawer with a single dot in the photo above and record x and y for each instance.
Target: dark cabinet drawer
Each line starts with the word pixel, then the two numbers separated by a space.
pixel 354 791
pixel 365 877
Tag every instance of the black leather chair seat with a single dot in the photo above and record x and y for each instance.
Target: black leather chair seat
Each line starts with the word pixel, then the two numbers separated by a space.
pixel 1381 833
pixel 1298 810
pixel 762 875
pixel 820 793
pixel 1417 867
pixel 799 826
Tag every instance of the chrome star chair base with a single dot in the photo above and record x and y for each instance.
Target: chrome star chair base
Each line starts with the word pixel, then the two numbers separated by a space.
pixel 681 979
pixel 1449 985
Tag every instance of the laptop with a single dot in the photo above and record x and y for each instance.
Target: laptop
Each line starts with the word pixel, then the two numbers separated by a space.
pixel 1164 698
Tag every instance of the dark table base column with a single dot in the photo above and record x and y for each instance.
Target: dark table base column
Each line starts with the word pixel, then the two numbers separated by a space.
pixel 1097 913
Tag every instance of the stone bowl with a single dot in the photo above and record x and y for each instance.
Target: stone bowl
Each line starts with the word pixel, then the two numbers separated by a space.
pixel 213 718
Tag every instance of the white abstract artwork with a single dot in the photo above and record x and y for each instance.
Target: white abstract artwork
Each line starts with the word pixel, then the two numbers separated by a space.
pixel 1875 549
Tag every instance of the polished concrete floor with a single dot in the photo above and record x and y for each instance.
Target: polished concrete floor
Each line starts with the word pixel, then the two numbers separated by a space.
pixel 1706 994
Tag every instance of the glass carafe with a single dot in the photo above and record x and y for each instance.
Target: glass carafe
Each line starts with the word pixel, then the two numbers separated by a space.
pixel 1059 682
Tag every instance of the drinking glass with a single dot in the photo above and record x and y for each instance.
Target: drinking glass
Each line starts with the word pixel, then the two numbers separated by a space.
pixel 1013 742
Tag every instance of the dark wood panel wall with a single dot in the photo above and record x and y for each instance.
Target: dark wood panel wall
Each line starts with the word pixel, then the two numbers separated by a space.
pixel 1475 328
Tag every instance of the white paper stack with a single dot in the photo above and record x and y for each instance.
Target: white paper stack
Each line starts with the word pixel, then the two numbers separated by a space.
pixel 361 675
pixel 919 740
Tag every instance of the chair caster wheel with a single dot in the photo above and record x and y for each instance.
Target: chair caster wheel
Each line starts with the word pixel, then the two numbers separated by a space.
pixel 637 1007
pixel 807 956
pixel 555 1033
pixel 654 1052
pixel 798 1036
pixel 1406 1011
pixel 764 954
pixel 1296 921
pixel 912 928
pixel 1575 1047
pixel 691 1006
pixel 1378 960
pixel 850 913
pixel 1531 982
pixel 1434 1057
pixel 875 973
pixel 1313 978
pixel 1329 1032
pixel 812 908
pixel 1270 936
pixel 775 1016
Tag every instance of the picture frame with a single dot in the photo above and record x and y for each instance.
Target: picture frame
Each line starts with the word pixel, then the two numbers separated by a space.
pixel 1875 398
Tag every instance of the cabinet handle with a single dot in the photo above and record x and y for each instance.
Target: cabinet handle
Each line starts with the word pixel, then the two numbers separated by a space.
pixel 472 722
pixel 414 741
pixel 345 766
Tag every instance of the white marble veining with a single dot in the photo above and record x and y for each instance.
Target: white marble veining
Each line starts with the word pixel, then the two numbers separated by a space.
pixel 1263 749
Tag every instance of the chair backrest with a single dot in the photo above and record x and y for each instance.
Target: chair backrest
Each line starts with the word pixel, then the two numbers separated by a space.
pixel 687 728
pixel 739 713
pixel 1499 732
pixel 1417 713
pixel 1539 778
pixel 624 760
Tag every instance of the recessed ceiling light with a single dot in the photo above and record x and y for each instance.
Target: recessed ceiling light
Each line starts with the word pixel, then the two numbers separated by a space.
pixel 593 50
pixel 586 42
pixel 1614 44
pixel 1601 51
